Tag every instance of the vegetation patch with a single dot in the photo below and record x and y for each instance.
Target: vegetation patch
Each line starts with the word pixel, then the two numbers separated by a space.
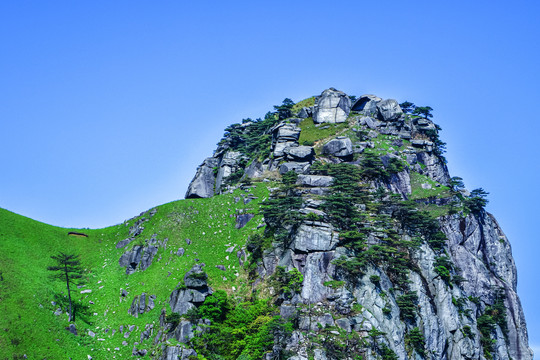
pixel 423 187
pixel 317 134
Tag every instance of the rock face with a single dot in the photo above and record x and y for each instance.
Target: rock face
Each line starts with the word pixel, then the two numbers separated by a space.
pixel 140 256
pixel 389 110
pixel 142 304
pixel 193 293
pixel 382 276
pixel 284 136
pixel 202 185
pixel 340 147
pixel 300 153
pixel 333 106
pixel 366 104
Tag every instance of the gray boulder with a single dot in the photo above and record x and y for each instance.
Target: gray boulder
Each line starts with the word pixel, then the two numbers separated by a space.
pixel 124 242
pixel 284 135
pixel 242 220
pixel 389 110
pixel 202 185
pixel 340 147
pixel 141 304
pixel 195 278
pixel 139 255
pixel 305 112
pixel 183 300
pixel 139 352
pixel 148 256
pixel 180 252
pixel 366 104
pixel 228 165
pixel 314 180
pixel 298 167
pixel 177 352
pixel 369 122
pixel 333 106
pixel 130 259
pixel 255 169
pixel 183 331
pixel 180 301
pixel 287 311
pixel 299 153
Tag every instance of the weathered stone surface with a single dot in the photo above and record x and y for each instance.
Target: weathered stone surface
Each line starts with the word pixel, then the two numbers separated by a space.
pixel 421 143
pixel 434 167
pixel 316 268
pixel 284 135
pixel 124 242
pixel 315 236
pixel 366 104
pixel 333 106
pixel 314 180
pixel 202 185
pixel 340 147
pixel 305 112
pixel 139 255
pixel 195 278
pixel 180 300
pixel 130 259
pixel 299 153
pixel 389 110
pixel 242 220
pixel 180 252
pixel 138 352
pixel 369 122
pixel 297 167
pixel 141 304
pixel 178 352
pixel 287 311
pixel 183 331
pixel 255 169
pixel 228 165
pixel 148 256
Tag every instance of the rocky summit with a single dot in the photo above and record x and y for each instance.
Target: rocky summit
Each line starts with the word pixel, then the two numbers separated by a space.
pixel 329 229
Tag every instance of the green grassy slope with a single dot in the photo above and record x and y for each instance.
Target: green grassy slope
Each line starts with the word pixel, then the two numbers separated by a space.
pixel 28 324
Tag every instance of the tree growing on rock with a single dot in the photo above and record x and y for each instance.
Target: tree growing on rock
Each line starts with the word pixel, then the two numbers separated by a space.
pixel 284 110
pixel 407 107
pixel 424 111
pixel 68 268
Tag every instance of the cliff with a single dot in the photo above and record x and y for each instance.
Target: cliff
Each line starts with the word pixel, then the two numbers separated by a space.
pixel 397 258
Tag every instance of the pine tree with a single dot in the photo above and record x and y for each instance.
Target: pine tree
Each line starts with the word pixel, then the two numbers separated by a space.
pixel 68 268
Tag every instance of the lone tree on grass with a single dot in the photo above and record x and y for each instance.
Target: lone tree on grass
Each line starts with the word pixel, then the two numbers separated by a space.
pixel 67 268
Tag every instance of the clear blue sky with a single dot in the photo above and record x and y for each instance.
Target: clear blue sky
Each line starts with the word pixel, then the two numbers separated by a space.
pixel 107 108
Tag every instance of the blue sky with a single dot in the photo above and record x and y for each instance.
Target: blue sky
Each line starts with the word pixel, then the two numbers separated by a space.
pixel 106 109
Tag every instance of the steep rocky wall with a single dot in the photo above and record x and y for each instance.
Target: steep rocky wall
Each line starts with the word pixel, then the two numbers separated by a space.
pixel 449 309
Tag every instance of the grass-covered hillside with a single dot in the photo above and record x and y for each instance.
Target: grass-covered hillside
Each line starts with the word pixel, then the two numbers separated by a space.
pixel 29 296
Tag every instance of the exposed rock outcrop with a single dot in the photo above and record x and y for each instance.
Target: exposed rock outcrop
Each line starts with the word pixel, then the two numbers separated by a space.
pixel 366 104
pixel 140 256
pixel 202 185
pixel 142 304
pixel 339 147
pixel 406 279
pixel 333 106
pixel 193 292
